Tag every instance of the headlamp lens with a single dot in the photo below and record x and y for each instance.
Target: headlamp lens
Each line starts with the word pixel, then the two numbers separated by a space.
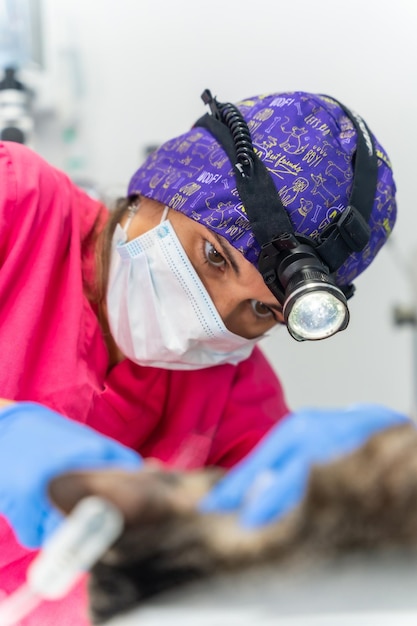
pixel 316 315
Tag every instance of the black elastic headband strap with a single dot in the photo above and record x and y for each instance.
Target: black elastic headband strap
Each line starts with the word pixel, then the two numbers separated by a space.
pixel 366 166
pixel 257 191
pixel 351 231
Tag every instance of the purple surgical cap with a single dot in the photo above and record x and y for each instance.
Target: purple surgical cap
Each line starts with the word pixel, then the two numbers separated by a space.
pixel 306 142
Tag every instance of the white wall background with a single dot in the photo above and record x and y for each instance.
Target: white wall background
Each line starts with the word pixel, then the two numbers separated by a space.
pixel 142 65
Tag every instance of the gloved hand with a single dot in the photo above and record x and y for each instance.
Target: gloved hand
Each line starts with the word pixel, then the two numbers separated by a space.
pixel 272 479
pixel 37 444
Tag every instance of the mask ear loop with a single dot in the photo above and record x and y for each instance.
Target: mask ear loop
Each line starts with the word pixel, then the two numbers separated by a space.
pixel 164 214
pixel 132 209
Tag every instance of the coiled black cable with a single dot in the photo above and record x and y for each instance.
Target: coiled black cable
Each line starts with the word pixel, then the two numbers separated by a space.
pixel 230 115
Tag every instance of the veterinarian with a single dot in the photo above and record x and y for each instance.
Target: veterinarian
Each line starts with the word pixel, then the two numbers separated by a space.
pixel 132 334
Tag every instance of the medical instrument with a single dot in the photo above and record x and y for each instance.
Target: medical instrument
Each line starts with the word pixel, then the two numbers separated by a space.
pixel 16 120
pixel 300 271
pixel 90 529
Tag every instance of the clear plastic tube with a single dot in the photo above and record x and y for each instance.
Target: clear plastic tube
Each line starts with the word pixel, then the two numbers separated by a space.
pixel 90 529
pixel 19 604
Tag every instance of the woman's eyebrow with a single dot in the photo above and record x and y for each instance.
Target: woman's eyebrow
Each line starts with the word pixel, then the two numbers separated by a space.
pixel 227 251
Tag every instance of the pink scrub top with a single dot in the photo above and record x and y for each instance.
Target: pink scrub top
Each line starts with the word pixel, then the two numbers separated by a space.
pixel 53 352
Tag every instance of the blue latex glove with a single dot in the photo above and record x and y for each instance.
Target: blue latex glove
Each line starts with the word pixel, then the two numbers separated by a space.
pixel 272 479
pixel 37 444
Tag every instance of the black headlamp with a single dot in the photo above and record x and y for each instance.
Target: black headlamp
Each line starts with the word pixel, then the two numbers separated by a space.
pixel 299 270
pixel 313 306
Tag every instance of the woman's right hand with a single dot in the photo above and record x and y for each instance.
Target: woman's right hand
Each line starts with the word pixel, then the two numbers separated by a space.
pixel 37 444
pixel 273 478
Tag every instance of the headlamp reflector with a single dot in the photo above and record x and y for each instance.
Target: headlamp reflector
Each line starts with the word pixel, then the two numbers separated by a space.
pixel 316 314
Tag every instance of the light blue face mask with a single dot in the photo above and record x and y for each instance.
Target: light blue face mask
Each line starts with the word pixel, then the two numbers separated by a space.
pixel 159 311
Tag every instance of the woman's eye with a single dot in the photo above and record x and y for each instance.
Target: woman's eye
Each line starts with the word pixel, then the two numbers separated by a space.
pixel 261 310
pixel 213 256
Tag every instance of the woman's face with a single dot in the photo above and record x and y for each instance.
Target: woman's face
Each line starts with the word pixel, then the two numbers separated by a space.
pixel 237 289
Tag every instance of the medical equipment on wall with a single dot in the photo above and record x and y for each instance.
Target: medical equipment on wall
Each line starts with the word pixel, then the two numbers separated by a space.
pixel 91 528
pixel 16 120
pixel 405 314
pixel 297 271
pixel 41 85
pixel 20 51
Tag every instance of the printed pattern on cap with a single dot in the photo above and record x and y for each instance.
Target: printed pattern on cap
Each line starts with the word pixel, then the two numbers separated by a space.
pixel 306 141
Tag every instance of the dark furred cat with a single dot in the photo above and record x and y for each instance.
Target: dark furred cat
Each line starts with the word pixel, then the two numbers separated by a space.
pixel 364 501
